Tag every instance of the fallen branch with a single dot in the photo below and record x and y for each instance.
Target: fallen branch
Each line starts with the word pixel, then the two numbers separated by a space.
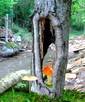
pixel 12 79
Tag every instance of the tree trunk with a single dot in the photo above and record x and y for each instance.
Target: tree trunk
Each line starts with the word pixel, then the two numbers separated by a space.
pixel 6 24
pixel 84 29
pixel 51 25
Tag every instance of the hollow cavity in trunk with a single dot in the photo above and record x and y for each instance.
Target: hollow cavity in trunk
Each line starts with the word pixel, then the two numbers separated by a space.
pixel 47 36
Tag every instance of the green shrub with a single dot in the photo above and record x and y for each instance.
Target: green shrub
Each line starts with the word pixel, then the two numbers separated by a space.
pixel 11 45
pixel 23 32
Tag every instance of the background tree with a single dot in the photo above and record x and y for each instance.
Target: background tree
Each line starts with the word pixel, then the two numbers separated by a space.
pixel 77 14
pixel 22 12
pixel 5 6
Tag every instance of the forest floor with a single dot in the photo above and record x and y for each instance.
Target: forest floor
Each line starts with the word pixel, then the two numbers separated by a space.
pixel 75 76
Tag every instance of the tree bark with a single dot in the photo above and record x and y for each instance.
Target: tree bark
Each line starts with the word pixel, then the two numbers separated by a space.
pixel 54 15
pixel 12 79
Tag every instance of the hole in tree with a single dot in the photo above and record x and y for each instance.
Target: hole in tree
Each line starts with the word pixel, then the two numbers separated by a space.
pixel 48 34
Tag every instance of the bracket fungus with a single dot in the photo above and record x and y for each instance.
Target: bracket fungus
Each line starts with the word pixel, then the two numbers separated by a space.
pixel 29 79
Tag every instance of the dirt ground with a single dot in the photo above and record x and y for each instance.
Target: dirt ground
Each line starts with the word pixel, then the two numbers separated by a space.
pixel 18 62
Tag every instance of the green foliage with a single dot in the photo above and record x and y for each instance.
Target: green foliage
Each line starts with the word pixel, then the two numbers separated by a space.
pixel 22 11
pixel 5 6
pixel 78 14
pixel 11 45
pixel 24 8
pixel 23 32
pixel 73 33
pixel 20 85
pixel 15 96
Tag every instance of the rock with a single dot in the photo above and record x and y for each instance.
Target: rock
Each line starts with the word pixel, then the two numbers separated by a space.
pixel 81 74
pixel 76 70
pixel 81 89
pixel 5 52
pixel 69 66
pixel 69 84
pixel 80 81
pixel 78 62
pixel 71 55
pixel 69 87
pixel 76 44
pixel 70 76
pixel 16 39
pixel 83 61
pixel 2 42
pixel 78 86
pixel 75 79
pixel 3 31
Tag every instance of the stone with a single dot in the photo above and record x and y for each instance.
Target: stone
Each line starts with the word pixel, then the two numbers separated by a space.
pixel 5 52
pixel 70 76
pixel 69 66
pixel 76 70
pixel 2 42
pixel 79 81
pixel 16 38
pixel 83 61
pixel 81 74
pixel 3 31
pixel 78 86
pixel 69 81
pixel 69 84
pixel 78 62
pixel 81 89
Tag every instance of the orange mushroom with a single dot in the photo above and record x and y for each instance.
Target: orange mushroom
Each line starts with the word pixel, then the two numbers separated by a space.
pixel 47 71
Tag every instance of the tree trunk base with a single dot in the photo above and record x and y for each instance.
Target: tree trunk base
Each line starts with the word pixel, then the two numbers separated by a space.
pixel 42 89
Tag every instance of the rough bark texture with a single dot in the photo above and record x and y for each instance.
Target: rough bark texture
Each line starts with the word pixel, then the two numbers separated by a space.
pixel 12 79
pixel 51 25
